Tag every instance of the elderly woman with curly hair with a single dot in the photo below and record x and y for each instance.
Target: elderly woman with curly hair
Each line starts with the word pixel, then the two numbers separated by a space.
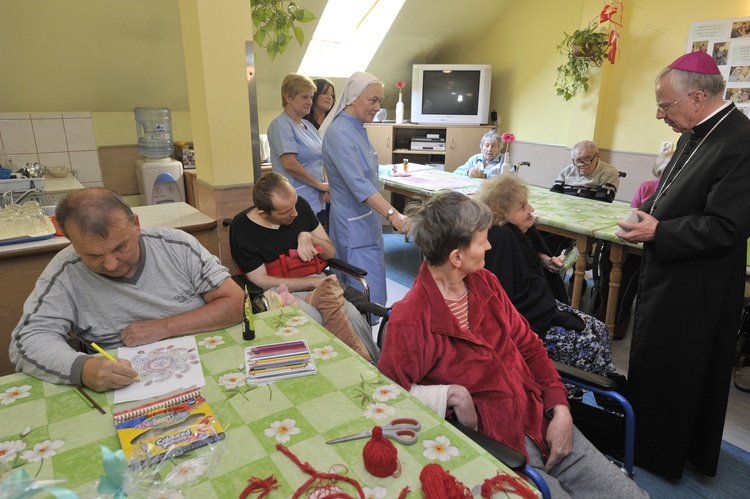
pixel 523 264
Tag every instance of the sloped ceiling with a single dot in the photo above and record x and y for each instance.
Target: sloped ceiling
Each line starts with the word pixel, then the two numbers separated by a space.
pixel 111 55
pixel 425 31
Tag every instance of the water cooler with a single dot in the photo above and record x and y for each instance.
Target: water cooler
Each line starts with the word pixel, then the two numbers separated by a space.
pixel 159 176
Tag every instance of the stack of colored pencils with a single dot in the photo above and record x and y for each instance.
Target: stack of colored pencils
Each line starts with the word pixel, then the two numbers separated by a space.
pixel 266 363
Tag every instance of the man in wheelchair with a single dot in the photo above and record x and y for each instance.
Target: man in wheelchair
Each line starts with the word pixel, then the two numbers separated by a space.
pixel 261 238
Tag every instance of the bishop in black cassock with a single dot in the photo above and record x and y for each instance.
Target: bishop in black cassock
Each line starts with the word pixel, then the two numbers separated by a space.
pixel 695 229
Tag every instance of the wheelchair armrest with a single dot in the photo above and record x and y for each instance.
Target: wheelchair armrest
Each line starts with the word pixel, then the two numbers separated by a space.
pixel 509 456
pixel 373 308
pixel 574 374
pixel 226 222
pixel 252 289
pixel 341 265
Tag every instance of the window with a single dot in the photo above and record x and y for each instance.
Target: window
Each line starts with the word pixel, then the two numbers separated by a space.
pixel 348 34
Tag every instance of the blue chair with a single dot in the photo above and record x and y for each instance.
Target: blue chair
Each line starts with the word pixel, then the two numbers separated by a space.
pixel 602 427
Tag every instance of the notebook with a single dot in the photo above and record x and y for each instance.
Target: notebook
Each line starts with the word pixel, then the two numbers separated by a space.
pixel 266 363
pixel 168 426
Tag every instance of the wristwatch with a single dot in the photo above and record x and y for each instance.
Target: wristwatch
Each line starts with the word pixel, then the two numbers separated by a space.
pixel 389 214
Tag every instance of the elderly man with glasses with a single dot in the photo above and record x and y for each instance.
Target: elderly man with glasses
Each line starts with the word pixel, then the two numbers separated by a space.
pixel 588 176
pixel 694 231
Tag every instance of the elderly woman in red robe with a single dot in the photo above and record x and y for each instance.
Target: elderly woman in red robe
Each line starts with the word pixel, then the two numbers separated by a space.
pixel 457 343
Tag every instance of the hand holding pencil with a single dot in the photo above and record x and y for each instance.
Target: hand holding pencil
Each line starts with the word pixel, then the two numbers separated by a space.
pixel 107 373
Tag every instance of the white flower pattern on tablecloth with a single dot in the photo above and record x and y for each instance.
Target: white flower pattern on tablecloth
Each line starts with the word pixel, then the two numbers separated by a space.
pixel 286 332
pixel 232 380
pixel 297 321
pixel 282 430
pixel 42 450
pixel 187 472
pixel 440 449
pixel 387 392
pixel 375 492
pixel 211 342
pixel 13 393
pixel 324 353
pixel 9 450
pixel 379 411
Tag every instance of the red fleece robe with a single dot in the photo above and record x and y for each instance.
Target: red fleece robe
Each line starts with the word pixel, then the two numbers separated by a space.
pixel 501 361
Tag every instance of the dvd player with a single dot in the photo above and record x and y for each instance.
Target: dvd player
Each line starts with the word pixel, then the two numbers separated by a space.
pixel 427 144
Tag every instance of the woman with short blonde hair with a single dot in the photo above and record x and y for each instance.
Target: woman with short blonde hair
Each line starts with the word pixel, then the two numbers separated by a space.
pixel 296 147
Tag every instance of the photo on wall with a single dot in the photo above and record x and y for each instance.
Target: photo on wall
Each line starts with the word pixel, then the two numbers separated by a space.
pixel 728 42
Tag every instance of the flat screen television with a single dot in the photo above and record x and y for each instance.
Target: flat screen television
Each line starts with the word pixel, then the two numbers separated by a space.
pixel 451 94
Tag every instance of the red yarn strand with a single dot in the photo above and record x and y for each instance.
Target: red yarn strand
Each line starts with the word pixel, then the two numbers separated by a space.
pixel 506 483
pixel 325 480
pixel 255 483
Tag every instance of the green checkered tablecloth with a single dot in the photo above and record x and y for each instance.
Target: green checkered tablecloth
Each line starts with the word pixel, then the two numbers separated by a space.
pixel 579 215
pixel 583 216
pixel 62 435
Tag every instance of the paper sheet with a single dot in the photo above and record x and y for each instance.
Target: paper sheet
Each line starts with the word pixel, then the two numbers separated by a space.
pixel 162 367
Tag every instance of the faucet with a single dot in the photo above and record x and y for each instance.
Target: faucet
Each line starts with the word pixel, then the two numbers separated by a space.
pixel 8 199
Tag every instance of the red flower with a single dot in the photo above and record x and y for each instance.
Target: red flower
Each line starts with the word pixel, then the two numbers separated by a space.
pixel 508 138
pixel 400 84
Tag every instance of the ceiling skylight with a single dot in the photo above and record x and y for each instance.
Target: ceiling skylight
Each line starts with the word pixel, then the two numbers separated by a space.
pixel 348 34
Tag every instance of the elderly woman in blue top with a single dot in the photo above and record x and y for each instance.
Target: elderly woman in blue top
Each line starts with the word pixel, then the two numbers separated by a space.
pixel 352 166
pixel 488 162
pixel 296 147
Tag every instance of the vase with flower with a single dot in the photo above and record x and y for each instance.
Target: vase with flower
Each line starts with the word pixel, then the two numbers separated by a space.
pixel 400 84
pixel 507 138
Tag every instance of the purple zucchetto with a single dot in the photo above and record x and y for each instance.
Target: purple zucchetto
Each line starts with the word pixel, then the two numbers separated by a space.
pixel 696 62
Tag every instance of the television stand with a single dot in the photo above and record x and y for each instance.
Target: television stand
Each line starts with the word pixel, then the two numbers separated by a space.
pixel 393 143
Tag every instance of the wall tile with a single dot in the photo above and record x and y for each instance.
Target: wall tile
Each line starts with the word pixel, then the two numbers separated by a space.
pixel 14 116
pixel 45 116
pixel 76 115
pixel 87 164
pixel 80 134
pixel 54 158
pixel 18 136
pixel 50 135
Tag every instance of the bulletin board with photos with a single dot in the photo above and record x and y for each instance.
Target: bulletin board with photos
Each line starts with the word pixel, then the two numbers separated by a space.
pixel 728 42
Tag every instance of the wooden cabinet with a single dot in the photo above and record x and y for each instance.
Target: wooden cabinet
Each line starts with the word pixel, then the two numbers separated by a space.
pixel 381 138
pixel 393 143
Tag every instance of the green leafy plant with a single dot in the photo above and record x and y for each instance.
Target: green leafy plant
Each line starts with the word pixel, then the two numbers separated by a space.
pixel 275 24
pixel 585 48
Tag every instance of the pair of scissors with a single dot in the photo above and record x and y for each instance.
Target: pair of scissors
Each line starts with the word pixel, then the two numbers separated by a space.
pixel 402 430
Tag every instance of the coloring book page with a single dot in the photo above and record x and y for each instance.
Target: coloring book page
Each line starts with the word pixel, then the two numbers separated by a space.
pixel 162 367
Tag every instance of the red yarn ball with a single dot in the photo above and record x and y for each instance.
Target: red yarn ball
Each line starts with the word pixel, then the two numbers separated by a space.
pixel 440 484
pixel 381 456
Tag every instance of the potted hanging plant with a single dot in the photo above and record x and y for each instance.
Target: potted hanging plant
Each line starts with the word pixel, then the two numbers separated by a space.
pixel 585 48
pixel 276 26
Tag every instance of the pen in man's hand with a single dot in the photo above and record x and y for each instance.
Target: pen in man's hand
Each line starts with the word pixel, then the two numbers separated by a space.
pixel 107 356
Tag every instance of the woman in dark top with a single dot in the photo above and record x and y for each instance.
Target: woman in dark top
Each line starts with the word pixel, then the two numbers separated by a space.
pixel 323 100
pixel 523 264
